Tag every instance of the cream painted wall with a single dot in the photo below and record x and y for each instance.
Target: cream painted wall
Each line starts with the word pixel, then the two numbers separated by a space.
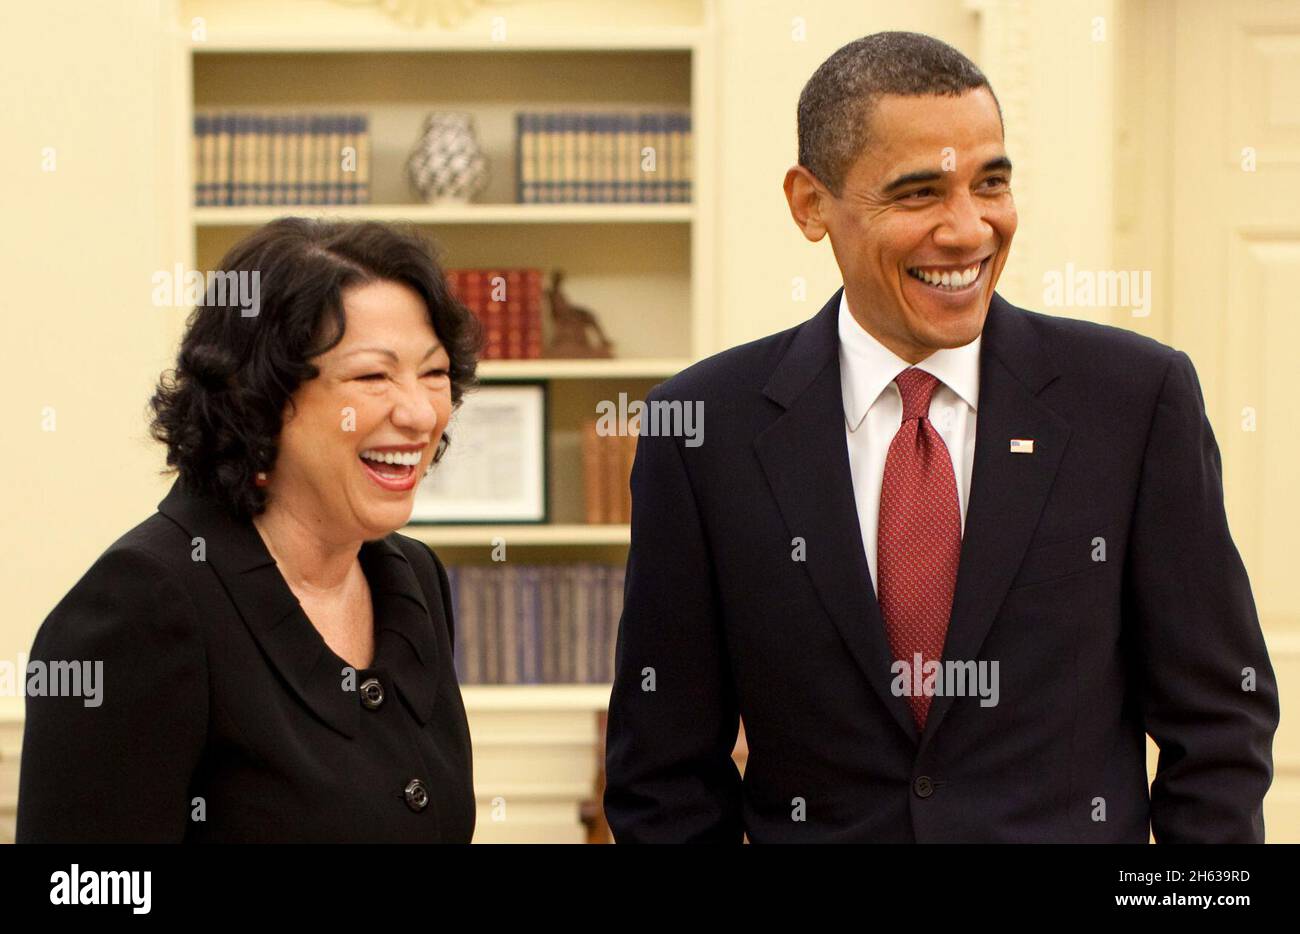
pixel 78 245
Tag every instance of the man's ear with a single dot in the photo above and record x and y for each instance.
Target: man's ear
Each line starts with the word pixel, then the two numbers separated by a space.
pixel 807 199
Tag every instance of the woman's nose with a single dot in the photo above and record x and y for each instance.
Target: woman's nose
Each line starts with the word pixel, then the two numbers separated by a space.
pixel 415 409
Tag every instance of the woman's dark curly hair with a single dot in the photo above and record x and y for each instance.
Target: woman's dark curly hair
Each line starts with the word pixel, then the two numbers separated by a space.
pixel 219 411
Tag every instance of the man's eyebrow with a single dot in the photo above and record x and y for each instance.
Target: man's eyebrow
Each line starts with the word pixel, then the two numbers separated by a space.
pixel 390 354
pixel 911 178
pixel 929 175
pixel 1000 163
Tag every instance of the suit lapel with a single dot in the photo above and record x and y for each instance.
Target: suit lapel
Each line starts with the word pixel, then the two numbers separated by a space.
pixel 804 455
pixel 410 659
pixel 275 619
pixel 1008 491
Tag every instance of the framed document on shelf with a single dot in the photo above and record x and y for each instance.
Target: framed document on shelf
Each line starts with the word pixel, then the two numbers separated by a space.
pixel 495 467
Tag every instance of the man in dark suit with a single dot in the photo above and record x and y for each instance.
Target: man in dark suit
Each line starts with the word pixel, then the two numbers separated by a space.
pixel 949 560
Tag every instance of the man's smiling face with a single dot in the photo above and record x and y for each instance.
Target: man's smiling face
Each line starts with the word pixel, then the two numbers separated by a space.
pixel 929 199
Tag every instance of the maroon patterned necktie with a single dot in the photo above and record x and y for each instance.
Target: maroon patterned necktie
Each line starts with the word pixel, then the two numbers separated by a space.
pixel 919 539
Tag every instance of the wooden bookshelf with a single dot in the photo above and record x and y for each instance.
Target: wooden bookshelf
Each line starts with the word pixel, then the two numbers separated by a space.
pixel 643 268
pixel 646 270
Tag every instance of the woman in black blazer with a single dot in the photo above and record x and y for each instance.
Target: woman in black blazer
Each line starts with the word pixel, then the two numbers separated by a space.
pixel 276 659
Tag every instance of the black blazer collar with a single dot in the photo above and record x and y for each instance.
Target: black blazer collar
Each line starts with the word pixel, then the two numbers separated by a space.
pixel 405 652
pixel 814 491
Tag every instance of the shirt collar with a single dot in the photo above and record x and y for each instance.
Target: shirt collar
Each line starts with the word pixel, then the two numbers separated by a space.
pixel 868 366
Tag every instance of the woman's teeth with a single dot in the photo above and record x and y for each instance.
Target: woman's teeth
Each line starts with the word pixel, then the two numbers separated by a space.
pixel 391 465
pixel 948 280
pixel 404 459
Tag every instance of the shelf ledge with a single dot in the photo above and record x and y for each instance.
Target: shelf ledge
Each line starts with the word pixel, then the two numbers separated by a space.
pixel 678 39
pixel 432 214
pixel 482 535
pixel 581 369
pixel 535 697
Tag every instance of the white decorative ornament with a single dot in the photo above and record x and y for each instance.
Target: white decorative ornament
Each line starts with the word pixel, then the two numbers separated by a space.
pixel 447 13
pixel 447 166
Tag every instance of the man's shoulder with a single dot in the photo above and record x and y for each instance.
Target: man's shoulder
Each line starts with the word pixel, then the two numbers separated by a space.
pixel 739 370
pixel 1078 343
pixel 1075 344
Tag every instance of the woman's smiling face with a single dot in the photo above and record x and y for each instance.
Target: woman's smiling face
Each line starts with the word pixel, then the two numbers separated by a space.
pixel 384 390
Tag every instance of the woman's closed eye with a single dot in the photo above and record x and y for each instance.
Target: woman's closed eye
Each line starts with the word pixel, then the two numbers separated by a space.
pixel 373 377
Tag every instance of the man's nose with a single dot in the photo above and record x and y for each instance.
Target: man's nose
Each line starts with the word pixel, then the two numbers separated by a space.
pixel 963 226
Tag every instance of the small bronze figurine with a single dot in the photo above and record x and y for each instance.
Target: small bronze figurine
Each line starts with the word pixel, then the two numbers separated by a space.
pixel 574 327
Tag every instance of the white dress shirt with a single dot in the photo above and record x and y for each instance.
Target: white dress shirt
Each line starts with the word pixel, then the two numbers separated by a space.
pixel 873 412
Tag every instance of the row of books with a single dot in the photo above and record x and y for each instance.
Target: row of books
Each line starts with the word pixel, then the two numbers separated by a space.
pixel 567 157
pixel 570 157
pixel 536 624
pixel 508 303
pixel 276 158
pixel 606 475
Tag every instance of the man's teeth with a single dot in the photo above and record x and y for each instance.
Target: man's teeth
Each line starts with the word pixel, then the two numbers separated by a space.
pixel 404 459
pixel 947 280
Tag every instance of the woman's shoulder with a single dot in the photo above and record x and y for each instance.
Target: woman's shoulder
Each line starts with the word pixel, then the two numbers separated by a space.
pixel 118 713
pixel 414 549
pixel 431 574
pixel 425 561
pixel 154 552
pixel 137 583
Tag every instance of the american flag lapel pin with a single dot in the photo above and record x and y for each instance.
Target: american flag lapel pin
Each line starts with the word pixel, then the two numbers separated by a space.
pixel 1022 445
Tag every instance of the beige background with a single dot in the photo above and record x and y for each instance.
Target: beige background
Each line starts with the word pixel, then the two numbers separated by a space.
pixel 1126 121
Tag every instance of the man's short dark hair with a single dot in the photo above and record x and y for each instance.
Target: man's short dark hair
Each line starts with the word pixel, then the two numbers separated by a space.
pixel 221 409
pixel 837 103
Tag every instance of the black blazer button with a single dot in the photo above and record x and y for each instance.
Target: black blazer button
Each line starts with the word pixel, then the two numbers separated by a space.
pixel 372 693
pixel 417 796
pixel 923 786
